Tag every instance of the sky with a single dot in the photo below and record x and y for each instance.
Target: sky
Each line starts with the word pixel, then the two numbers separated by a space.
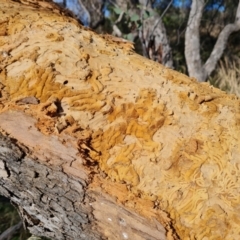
pixel 187 3
pixel 183 3
pixel 74 7
pixel 176 3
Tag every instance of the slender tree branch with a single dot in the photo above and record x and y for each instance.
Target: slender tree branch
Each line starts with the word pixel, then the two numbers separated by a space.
pixel 7 234
pixel 237 19
pixel 220 45
pixel 120 17
pixel 113 3
pixel 116 30
pixel 192 42
pixel 160 18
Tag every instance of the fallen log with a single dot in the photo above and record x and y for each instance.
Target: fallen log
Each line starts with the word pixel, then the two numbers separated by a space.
pixel 98 142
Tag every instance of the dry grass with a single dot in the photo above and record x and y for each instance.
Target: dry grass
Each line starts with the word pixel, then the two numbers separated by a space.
pixel 227 77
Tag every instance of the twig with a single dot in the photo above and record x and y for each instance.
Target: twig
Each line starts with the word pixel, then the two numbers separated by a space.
pixel 165 10
pixel 7 234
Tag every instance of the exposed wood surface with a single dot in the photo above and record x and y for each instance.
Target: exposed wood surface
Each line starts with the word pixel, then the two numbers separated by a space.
pixel 51 187
pixel 103 143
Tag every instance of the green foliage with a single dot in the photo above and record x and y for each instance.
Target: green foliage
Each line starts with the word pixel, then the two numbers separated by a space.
pixel 175 21
pixel 117 10
pixel 134 18
pixel 9 217
pixel 128 21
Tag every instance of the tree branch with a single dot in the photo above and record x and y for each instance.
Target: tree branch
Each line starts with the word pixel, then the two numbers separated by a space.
pixel 7 234
pixel 160 18
pixel 221 44
pixel 192 40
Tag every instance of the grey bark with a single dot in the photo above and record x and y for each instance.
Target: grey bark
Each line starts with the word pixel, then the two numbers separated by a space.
pixel 155 44
pixel 54 203
pixel 155 38
pixel 192 42
pixel 50 203
pixel 156 41
pixel 152 34
pixel 78 8
pixel 89 12
pixel 221 43
pixel 95 9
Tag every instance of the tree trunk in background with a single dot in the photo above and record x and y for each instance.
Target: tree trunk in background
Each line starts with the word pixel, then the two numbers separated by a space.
pixel 89 12
pixel 155 38
pixel 95 9
pixel 156 41
pixel 152 33
pixel 98 142
pixel 192 42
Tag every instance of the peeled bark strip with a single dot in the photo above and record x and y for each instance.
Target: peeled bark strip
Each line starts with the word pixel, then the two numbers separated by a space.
pixel 100 143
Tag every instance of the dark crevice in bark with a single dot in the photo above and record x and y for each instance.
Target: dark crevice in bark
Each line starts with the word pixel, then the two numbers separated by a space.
pixel 7 170
pixel 44 194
